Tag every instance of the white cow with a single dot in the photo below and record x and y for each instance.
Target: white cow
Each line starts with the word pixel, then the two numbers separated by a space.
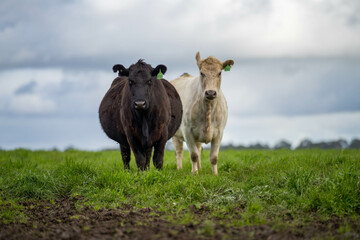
pixel 205 111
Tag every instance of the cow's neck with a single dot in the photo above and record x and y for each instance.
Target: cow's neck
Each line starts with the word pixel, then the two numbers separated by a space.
pixel 208 109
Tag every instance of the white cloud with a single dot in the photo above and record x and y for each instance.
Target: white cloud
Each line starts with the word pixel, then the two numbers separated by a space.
pixel 37 102
pixel 30 103
pixel 109 6
pixel 55 91
pixel 10 80
pixel 293 29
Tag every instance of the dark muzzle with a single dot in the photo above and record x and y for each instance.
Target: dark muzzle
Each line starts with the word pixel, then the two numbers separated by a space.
pixel 210 94
pixel 140 104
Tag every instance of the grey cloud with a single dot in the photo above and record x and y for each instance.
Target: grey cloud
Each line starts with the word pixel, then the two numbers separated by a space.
pixel 26 88
pixel 73 34
pixel 288 87
pixel 345 10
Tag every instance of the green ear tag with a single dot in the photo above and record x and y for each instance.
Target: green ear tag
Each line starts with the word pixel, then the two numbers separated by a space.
pixel 227 68
pixel 160 75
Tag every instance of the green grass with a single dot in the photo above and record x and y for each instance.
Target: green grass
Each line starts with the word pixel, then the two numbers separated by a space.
pixel 259 186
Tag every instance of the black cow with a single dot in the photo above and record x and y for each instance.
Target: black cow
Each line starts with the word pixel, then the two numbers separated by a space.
pixel 140 112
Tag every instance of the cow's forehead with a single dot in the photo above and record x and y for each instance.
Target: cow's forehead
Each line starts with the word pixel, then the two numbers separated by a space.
pixel 140 70
pixel 211 64
pixel 140 74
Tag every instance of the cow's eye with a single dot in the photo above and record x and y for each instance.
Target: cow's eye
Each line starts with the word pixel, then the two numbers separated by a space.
pixel 149 82
pixel 202 75
pixel 219 74
pixel 131 82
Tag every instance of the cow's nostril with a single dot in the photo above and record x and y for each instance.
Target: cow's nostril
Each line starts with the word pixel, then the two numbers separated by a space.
pixel 140 104
pixel 210 94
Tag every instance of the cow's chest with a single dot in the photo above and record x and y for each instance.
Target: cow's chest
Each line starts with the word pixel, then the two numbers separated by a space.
pixel 204 128
pixel 202 135
pixel 147 133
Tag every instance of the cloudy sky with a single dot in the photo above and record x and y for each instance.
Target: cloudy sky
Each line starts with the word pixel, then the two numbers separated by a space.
pixel 296 72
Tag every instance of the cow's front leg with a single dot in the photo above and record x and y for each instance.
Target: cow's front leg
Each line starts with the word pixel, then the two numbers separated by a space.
pixel 148 156
pixel 158 158
pixel 138 150
pixel 125 155
pixel 214 152
pixel 194 153
pixel 198 144
pixel 140 158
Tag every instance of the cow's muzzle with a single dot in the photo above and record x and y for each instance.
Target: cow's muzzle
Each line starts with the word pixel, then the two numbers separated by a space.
pixel 210 94
pixel 140 104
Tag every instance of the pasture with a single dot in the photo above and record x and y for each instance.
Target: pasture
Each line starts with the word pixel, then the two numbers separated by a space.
pixel 282 194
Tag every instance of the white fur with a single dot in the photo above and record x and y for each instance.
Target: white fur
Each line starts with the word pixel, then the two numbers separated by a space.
pixel 198 114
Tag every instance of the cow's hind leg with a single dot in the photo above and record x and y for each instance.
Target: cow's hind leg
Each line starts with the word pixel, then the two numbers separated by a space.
pixel 125 155
pixel 179 149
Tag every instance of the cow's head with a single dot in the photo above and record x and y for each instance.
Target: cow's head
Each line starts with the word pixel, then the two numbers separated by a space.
pixel 141 77
pixel 210 75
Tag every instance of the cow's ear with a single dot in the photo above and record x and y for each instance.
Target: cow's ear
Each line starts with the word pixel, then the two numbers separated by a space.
pixel 121 69
pixel 198 59
pixel 156 71
pixel 227 62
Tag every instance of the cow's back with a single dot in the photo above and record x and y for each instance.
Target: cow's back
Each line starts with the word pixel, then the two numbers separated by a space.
pixel 109 110
pixel 188 89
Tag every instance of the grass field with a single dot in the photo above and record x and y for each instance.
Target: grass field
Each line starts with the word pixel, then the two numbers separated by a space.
pixel 277 188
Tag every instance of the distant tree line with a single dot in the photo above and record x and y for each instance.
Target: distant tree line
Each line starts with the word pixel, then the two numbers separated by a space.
pixel 304 144
pixel 283 144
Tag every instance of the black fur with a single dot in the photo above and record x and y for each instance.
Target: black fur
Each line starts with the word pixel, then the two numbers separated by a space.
pixel 122 70
pixel 136 129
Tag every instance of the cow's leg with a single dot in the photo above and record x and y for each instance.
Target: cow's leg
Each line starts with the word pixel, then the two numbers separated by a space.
pixel 125 155
pixel 158 158
pixel 194 153
pixel 179 149
pixel 140 158
pixel 138 150
pixel 195 157
pixel 198 145
pixel 214 152
pixel 148 156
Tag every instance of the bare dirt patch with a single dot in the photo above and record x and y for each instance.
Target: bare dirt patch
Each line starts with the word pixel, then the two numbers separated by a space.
pixel 61 220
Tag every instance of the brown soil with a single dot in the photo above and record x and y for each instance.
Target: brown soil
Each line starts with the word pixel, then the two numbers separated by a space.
pixel 61 220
